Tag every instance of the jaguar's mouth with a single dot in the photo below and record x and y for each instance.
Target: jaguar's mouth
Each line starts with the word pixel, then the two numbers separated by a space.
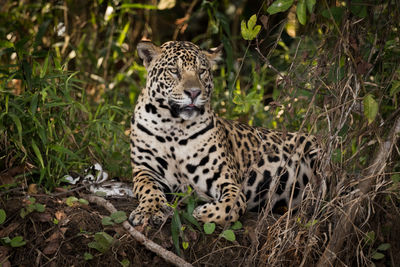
pixel 190 107
pixel 187 111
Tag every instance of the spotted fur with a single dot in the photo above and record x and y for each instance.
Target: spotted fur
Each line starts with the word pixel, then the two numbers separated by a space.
pixel 177 140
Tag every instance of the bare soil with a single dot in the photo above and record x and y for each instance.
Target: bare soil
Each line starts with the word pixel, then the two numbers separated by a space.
pixel 60 235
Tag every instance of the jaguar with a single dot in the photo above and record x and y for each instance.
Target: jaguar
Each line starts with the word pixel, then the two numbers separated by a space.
pixel 176 141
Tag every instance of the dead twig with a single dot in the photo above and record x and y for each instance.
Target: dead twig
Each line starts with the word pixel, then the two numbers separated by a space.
pixel 346 220
pixel 150 245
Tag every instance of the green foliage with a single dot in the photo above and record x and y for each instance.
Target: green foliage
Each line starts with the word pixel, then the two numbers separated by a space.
pixel 251 30
pixel 3 216
pixel 378 253
pixel 358 8
pixel 125 263
pixel 14 242
pixel 301 11
pixel 309 224
pixel 102 243
pixel 31 207
pixel 279 6
pixel 209 228
pixel 236 225
pixel 46 114
pixel 370 237
pixel 370 108
pixel 334 12
pixel 116 217
pixel 228 234
pixel 87 256
pixel 182 220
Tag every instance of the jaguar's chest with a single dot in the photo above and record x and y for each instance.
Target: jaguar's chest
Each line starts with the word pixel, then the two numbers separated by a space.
pixel 179 153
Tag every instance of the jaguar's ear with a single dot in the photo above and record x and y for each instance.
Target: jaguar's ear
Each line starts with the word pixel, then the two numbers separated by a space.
pixel 214 54
pixel 147 51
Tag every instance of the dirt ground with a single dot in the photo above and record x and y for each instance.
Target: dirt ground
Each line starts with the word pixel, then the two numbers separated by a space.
pixel 59 236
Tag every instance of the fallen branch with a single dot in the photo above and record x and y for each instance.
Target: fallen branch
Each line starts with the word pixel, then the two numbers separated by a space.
pixel 150 245
pixel 346 220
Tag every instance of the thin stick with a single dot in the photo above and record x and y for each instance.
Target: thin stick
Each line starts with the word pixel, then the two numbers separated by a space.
pixel 150 245
pixel 345 222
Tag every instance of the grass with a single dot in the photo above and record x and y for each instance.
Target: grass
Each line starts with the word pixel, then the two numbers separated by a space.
pixel 51 124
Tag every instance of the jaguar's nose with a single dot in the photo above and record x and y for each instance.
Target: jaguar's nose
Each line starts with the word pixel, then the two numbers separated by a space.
pixel 193 93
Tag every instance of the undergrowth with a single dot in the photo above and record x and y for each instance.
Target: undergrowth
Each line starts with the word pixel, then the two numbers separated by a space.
pixel 69 78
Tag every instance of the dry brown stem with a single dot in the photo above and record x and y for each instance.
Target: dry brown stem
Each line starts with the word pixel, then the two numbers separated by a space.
pixel 346 220
pixel 150 245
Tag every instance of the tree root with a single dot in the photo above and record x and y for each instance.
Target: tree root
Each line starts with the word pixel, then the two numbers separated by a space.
pixel 150 245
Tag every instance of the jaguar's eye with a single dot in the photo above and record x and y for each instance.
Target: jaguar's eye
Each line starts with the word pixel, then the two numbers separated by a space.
pixel 173 71
pixel 202 71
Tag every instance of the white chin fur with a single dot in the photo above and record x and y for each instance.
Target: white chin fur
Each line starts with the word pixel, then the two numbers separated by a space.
pixel 188 115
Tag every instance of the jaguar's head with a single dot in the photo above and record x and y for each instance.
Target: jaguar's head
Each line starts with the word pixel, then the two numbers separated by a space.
pixel 180 73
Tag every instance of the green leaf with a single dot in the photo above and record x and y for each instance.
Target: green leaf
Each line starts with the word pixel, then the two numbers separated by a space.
pixel 17 123
pixel 70 201
pixel 37 153
pixel 301 12
pixel 83 201
pixel 139 6
pixel 125 263
pixel 189 217
pixel 23 213
pixel 384 246
pixel 370 237
pixel 378 256
pixel 119 216
pixel 279 6
pixel 175 230
pixel 209 228
pixel 310 5
pixel 337 13
pixel 106 221
pixel 87 256
pixel 337 156
pixel 370 108
pixel 103 242
pixel 27 71
pixel 64 150
pixel 237 225
pixel 358 8
pixel 96 246
pixel 17 241
pixel 6 240
pixel 34 103
pixel 3 216
pixel 43 71
pixel 39 207
pixel 228 235
pixel 311 223
pixel 395 177
pixel 185 245
pixel 41 31
pixel 191 205
pixel 6 44
pixel 250 31
pixel 395 88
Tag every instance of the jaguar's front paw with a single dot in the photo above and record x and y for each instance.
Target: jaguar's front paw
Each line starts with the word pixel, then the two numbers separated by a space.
pixel 219 213
pixel 210 212
pixel 138 218
pixel 153 214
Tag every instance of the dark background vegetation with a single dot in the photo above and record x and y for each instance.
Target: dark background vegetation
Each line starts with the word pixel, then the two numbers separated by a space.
pixel 70 75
